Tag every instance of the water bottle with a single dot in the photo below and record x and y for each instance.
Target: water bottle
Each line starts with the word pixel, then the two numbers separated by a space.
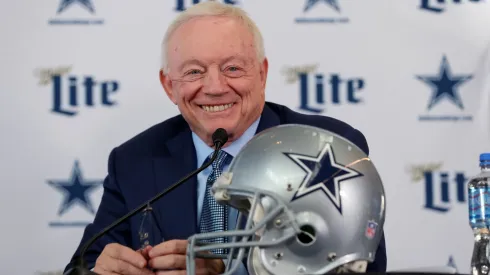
pixel 479 216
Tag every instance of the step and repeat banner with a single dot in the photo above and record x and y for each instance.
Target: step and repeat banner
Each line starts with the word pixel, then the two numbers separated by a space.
pixel 79 77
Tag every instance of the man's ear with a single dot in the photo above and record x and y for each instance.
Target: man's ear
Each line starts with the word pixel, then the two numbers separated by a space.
pixel 167 86
pixel 264 69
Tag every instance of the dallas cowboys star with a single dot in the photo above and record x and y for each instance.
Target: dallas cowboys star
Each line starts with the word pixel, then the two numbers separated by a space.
pixel 444 85
pixel 323 173
pixel 85 3
pixel 75 190
pixel 333 3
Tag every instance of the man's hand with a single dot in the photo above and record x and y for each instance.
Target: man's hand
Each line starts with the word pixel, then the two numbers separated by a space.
pixel 169 258
pixel 116 259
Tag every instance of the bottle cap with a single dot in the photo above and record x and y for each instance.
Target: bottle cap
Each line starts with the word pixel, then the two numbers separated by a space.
pixel 485 159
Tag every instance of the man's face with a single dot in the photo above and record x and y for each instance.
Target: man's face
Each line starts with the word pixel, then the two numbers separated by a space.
pixel 215 77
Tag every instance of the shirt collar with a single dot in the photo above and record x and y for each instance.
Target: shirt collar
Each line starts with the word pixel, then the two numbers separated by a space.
pixel 203 150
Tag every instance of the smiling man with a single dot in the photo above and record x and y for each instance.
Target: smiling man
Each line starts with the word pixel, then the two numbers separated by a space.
pixel 215 70
pixel 215 74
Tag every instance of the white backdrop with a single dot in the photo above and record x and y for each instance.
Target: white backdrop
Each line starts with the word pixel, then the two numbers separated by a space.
pixel 391 56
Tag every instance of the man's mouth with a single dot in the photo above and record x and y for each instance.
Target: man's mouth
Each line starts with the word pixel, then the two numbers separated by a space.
pixel 216 108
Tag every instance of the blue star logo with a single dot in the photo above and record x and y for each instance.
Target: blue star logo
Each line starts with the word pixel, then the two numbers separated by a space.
pixel 85 3
pixel 323 173
pixel 445 85
pixel 75 190
pixel 310 3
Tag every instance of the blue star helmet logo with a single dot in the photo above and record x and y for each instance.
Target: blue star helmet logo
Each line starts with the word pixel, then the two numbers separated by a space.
pixel 75 190
pixel 310 3
pixel 323 174
pixel 85 3
pixel 445 85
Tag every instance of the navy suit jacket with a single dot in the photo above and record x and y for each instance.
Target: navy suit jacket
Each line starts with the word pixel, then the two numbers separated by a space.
pixel 160 156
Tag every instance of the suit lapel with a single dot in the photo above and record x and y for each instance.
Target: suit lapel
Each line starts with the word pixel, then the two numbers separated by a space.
pixel 268 119
pixel 177 210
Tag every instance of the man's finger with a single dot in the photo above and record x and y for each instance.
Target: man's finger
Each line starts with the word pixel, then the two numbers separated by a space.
pixel 103 266
pixel 173 261
pixel 128 255
pixel 171 272
pixel 124 268
pixel 201 271
pixel 144 252
pixel 103 272
pixel 169 247
pixel 200 262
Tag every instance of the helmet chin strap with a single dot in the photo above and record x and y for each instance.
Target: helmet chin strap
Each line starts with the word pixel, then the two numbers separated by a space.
pixel 352 267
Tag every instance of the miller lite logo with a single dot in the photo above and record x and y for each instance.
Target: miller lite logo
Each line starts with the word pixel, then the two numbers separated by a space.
pixel 72 93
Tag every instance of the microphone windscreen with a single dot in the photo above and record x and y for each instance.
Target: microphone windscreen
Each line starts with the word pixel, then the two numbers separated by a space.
pixel 220 135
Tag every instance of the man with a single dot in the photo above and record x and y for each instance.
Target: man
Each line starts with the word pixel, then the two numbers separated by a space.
pixel 214 69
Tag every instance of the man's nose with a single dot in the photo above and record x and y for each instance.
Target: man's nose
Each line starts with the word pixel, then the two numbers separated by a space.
pixel 215 82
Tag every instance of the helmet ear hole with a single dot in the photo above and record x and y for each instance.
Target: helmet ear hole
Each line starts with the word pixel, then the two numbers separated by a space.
pixel 307 235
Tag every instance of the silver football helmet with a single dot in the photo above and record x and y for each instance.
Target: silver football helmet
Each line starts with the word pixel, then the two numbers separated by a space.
pixel 310 202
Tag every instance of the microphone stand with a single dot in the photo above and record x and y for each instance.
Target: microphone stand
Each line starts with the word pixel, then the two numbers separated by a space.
pixel 220 137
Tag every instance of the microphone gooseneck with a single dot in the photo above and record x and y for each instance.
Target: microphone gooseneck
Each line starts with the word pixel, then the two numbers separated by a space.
pixel 220 137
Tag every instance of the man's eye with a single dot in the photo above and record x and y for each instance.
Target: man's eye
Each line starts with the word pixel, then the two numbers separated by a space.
pixel 233 69
pixel 193 72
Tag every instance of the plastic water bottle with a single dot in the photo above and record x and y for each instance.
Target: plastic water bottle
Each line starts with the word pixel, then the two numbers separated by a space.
pixel 479 216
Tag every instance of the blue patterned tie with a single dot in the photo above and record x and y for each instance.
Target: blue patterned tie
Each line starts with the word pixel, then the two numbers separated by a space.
pixel 214 216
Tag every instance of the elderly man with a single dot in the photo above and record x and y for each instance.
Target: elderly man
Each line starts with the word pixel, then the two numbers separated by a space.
pixel 214 69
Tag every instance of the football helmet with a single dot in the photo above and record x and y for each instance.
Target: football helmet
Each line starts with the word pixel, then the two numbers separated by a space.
pixel 309 201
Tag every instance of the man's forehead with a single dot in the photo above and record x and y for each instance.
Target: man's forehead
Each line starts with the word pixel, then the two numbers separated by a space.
pixel 190 44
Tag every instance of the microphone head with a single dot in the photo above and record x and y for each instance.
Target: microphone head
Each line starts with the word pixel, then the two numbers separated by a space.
pixel 220 136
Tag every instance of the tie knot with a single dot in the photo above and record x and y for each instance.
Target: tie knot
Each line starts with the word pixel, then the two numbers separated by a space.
pixel 222 159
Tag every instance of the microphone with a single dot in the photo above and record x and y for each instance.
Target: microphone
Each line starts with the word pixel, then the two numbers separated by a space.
pixel 220 137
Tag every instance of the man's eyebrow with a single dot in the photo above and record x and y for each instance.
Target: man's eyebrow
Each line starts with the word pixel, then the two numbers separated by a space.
pixel 228 59
pixel 190 61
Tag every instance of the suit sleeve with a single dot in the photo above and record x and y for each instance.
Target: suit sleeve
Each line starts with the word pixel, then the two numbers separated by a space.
pixel 111 208
pixel 379 264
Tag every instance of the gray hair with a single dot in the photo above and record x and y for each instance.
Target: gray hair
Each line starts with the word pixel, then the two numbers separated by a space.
pixel 212 8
